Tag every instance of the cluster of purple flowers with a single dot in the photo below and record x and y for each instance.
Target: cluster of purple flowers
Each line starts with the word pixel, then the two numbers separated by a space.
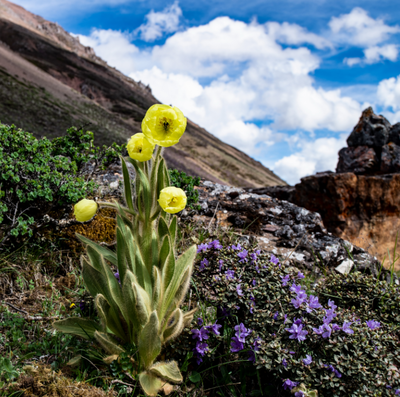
pixel 334 370
pixel 201 335
pixel 213 244
pixel 289 385
pixel 372 324
pixel 328 327
pixel 311 302
pixel 297 331
pixel 238 340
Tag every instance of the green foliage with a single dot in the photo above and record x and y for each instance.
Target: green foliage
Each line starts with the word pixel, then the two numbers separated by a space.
pixel 39 176
pixel 7 370
pixel 186 183
pixel 365 361
pixel 140 304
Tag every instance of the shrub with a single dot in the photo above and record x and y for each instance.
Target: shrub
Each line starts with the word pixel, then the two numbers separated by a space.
pixel 186 183
pixel 38 176
pixel 298 337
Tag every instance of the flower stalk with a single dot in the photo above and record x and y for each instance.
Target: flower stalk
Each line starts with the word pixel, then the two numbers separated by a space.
pixel 142 306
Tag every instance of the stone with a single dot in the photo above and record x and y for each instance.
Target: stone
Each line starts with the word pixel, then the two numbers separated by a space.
pixel 360 160
pixel 394 135
pixel 390 158
pixel 371 130
pixel 345 267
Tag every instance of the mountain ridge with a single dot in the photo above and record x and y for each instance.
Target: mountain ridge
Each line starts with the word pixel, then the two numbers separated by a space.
pixel 59 82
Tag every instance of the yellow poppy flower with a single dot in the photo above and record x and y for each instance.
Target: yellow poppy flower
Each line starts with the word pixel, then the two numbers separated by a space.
pixel 85 210
pixel 172 199
pixel 139 148
pixel 163 125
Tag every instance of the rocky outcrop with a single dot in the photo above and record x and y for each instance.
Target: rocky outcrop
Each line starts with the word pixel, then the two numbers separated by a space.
pixel 289 231
pixel 373 147
pixel 361 201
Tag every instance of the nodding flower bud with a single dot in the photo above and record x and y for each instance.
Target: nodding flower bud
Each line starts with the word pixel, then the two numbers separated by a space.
pixel 85 210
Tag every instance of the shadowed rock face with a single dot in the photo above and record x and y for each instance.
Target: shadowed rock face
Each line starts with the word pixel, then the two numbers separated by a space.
pixel 49 82
pixel 361 201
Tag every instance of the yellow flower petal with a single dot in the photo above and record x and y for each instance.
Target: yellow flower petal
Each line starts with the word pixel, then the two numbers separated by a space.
pixel 172 199
pixel 85 210
pixel 163 125
pixel 139 148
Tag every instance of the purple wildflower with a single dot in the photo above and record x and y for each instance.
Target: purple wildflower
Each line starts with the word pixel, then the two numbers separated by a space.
pixel 397 392
pixel 299 394
pixel 237 247
pixel 336 327
pixel 203 264
pixel 295 288
pixel 297 302
pixel 202 248
pixel 216 244
pixel 254 282
pixel 239 290
pixel 285 280
pixel 200 334
pixel 242 255
pixel 331 304
pixel 230 274
pixel 284 363
pixel 117 277
pixel 276 315
pixel 214 328
pixel 307 360
pixel 313 304
pixel 300 275
pixel 252 356
pixel 328 331
pixel 335 371
pixel 297 332
pixel 201 348
pixel 82 305
pixel 319 330
pixel 242 332
pixel 236 345
pixel 285 318
pixel 258 252
pixel 253 257
pixel 199 321
pixel 289 385
pixel 372 324
pixel 221 262
pixel 274 260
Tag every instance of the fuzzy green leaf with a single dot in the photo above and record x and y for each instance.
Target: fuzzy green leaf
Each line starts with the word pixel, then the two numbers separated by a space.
pixel 150 383
pixel 149 341
pixel 78 326
pixel 167 370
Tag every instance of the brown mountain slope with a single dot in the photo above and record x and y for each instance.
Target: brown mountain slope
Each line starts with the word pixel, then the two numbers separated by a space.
pixel 50 81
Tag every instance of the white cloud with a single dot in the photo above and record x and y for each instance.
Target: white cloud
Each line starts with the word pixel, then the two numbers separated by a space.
pixel 293 34
pixel 389 93
pixel 316 156
pixel 359 29
pixel 158 23
pixel 376 54
pixel 254 88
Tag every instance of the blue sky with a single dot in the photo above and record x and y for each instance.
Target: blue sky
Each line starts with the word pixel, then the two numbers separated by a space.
pixel 285 81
